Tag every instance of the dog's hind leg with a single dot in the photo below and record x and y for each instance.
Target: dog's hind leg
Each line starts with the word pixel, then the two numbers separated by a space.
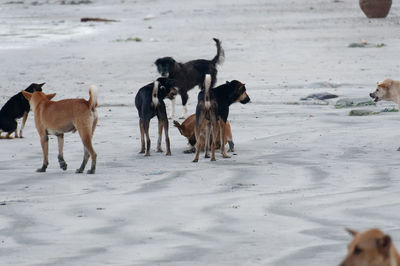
pixel 214 134
pixel 23 124
pixel 198 142
pixel 160 129
pixel 167 142
pixel 86 156
pixel 61 161
pixel 222 136
pixel 146 125
pixel 207 143
pixel 44 141
pixel 16 130
pixel 87 143
pixel 142 149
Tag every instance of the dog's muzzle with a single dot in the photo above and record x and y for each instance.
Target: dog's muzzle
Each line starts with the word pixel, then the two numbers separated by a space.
pixel 245 100
pixel 373 96
pixel 171 95
pixel 165 74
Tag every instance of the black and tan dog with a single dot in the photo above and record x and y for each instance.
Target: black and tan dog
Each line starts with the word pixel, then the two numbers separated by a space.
pixel 15 108
pixel 149 102
pixel 190 74
pixel 206 121
pixel 59 117
pixel 225 95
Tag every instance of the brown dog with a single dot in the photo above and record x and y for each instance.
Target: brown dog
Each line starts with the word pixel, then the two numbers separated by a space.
pixel 371 248
pixel 187 130
pixel 57 118
pixel 388 90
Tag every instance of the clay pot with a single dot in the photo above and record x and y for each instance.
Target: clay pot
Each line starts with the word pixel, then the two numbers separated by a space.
pixel 375 8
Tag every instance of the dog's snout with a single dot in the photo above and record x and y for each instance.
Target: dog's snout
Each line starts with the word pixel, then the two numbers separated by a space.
pixel 372 95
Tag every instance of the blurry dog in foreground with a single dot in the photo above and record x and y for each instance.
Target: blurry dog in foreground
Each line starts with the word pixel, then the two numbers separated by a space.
pixel 190 74
pixel 187 130
pixel 388 90
pixel 15 108
pixel 206 126
pixel 371 248
pixel 149 102
pixel 59 117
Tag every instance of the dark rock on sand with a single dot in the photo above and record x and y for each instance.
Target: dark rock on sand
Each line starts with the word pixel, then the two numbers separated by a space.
pixel 320 96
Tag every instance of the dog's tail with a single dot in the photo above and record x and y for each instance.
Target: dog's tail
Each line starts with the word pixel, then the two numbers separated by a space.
pixel 93 93
pixel 207 85
pixel 219 58
pixel 179 126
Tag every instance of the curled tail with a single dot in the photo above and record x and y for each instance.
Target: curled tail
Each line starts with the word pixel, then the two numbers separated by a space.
pixel 207 85
pixel 93 93
pixel 219 58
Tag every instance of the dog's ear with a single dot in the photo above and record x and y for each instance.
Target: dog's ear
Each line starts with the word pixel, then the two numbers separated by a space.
pixel 157 61
pixel 27 95
pixel 351 231
pixel 41 85
pixel 227 82
pixel 50 96
pixel 384 244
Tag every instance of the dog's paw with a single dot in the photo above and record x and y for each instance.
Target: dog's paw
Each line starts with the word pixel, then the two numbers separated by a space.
pixel 231 150
pixel 41 170
pixel 159 150
pixel 91 171
pixel 168 153
pixel 195 160
pixel 79 171
pixel 190 151
pixel 142 151
pixel 147 154
pixel 213 160
pixel 207 155
pixel 63 165
pixel 226 156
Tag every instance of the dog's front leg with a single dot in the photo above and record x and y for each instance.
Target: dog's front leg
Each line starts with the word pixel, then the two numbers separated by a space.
pixel 167 143
pixel 185 98
pixel 16 130
pixel 222 136
pixel 146 125
pixel 160 129
pixel 44 141
pixel 172 114
pixel 61 161
pixel 23 124
pixel 142 150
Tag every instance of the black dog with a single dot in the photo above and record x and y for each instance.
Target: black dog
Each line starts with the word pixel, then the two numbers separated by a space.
pixel 15 108
pixel 149 102
pixel 188 75
pixel 225 95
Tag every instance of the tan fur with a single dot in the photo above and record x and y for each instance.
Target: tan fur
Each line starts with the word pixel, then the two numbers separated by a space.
pixel 59 117
pixel 187 130
pixel 371 248
pixel 388 90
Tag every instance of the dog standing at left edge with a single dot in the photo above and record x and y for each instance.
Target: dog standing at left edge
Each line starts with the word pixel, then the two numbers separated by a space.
pixel 59 117
pixel 15 108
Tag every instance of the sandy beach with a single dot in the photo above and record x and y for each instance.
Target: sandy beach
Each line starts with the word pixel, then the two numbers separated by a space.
pixel 302 171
